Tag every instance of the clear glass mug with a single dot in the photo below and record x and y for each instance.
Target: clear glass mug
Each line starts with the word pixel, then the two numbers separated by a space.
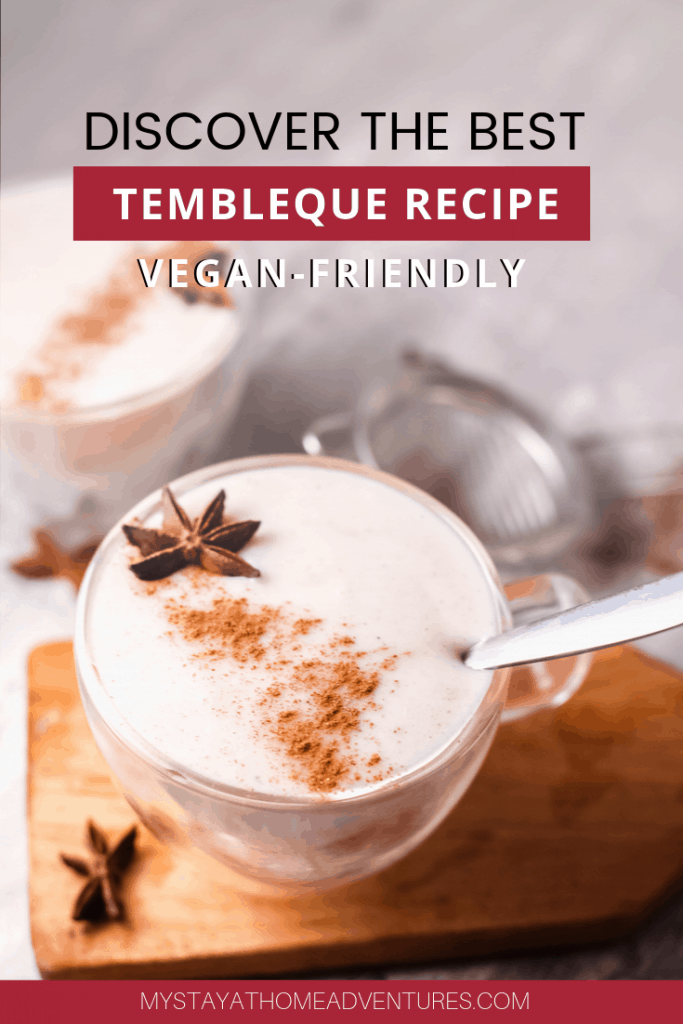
pixel 290 846
pixel 95 463
pixel 89 465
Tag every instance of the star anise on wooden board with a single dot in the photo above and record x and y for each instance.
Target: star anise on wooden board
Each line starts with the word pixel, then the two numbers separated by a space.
pixel 50 560
pixel 99 898
pixel 206 541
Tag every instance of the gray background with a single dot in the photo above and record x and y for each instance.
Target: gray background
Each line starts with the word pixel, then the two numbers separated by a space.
pixel 591 337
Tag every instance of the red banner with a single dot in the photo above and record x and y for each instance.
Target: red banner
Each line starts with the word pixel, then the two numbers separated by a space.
pixel 533 1002
pixel 332 203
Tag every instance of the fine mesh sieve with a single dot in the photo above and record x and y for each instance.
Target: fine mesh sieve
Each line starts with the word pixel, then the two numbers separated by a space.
pixel 520 488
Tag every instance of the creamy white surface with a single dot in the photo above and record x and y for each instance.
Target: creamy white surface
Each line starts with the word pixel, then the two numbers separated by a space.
pixel 367 560
pixel 45 275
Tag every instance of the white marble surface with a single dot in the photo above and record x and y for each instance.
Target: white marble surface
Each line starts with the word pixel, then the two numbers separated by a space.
pixel 591 337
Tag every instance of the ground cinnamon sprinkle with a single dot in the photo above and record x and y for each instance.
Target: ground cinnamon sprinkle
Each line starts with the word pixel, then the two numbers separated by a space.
pixel 304 626
pixel 227 627
pixel 104 320
pixel 315 704
pixel 315 740
pixel 104 316
pixel 31 388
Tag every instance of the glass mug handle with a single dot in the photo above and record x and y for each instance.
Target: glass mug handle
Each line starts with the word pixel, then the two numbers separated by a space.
pixel 544 684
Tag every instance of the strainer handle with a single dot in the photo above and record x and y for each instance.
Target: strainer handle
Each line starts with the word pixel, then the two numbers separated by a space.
pixel 332 435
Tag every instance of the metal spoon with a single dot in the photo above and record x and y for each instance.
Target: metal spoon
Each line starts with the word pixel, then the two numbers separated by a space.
pixel 613 620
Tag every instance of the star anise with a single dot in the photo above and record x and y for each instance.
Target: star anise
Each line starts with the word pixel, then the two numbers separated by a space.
pixel 50 559
pixel 99 899
pixel 205 541
pixel 197 293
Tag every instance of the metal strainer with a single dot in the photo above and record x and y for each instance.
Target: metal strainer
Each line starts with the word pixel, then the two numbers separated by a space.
pixel 520 488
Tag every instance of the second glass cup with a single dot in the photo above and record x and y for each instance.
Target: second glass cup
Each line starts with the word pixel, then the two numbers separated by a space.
pixel 108 388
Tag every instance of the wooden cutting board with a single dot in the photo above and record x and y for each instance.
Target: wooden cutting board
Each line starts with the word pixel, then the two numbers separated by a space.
pixel 571 833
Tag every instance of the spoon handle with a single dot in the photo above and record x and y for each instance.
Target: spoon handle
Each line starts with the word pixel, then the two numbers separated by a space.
pixel 612 620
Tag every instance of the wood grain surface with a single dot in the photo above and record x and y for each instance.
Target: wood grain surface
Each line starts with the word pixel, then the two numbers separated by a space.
pixel 571 833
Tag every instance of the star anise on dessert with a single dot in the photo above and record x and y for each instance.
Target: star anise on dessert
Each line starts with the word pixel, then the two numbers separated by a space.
pixel 206 541
pixel 195 292
pixel 99 898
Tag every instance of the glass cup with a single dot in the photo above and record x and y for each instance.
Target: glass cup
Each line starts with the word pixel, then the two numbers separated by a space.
pixel 97 462
pixel 90 464
pixel 291 846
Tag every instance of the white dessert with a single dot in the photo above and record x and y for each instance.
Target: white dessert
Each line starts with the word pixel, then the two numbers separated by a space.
pixel 79 329
pixel 107 388
pixel 383 585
